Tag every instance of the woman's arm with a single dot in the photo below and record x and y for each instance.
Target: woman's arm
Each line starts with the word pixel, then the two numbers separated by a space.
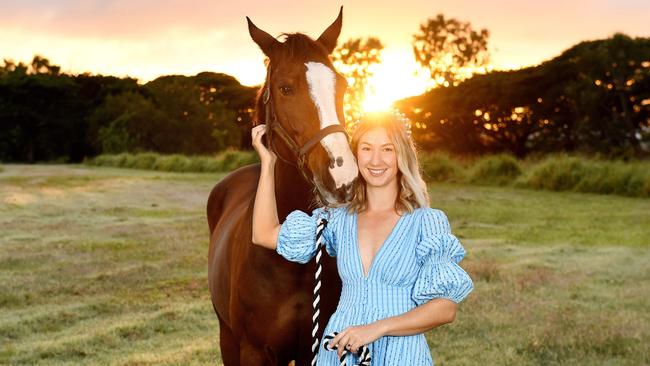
pixel 266 225
pixel 432 314
pixel 427 316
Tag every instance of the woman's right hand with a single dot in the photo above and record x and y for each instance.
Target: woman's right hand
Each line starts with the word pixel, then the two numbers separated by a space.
pixel 267 157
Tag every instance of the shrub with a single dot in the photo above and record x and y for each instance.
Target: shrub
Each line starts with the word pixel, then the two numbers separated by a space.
pixel 562 173
pixel 123 160
pixel 171 163
pixel 495 169
pixel 145 160
pixel 440 167
pixel 224 162
pixel 557 173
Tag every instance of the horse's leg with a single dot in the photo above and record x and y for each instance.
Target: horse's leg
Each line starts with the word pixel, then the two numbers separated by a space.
pixel 303 359
pixel 252 355
pixel 228 344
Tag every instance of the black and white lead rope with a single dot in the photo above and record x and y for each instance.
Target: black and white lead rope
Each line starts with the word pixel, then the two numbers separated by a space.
pixel 363 353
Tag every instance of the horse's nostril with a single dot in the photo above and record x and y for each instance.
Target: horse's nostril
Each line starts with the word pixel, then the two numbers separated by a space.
pixel 339 161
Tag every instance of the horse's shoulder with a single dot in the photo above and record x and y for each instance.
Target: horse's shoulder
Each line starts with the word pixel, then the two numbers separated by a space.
pixel 244 173
pixel 238 186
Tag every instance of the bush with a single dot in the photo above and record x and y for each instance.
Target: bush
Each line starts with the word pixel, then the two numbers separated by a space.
pixel 570 173
pixel 171 163
pixel 246 158
pixel 440 167
pixel 224 162
pixel 558 172
pixel 196 164
pixel 495 169
pixel 145 160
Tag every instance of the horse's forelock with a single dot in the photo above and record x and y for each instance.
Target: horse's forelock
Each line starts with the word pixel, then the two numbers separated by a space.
pixel 298 47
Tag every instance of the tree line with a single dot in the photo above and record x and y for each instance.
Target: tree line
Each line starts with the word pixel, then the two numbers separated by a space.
pixel 47 115
pixel 593 98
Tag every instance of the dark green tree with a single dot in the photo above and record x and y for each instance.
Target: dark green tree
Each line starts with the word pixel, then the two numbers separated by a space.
pixel 594 98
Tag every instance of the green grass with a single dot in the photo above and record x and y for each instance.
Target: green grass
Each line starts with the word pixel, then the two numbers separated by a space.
pixel 106 266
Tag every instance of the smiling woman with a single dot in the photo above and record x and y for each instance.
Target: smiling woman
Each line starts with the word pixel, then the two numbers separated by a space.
pixel 396 256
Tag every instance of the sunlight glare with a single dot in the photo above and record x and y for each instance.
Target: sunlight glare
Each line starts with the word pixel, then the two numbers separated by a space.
pixel 394 79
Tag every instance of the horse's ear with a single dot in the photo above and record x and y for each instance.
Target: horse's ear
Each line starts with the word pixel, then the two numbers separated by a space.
pixel 331 34
pixel 264 40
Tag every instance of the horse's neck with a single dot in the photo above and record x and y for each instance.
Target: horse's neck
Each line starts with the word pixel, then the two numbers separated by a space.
pixel 291 190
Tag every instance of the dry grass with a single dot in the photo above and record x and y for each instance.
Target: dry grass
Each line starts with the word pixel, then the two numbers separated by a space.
pixel 102 266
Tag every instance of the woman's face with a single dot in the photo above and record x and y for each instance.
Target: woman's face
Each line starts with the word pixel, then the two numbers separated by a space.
pixel 377 158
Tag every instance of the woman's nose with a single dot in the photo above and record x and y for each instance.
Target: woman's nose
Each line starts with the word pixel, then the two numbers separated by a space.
pixel 375 158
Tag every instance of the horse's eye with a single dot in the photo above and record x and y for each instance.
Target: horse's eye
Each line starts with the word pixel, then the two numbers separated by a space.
pixel 285 90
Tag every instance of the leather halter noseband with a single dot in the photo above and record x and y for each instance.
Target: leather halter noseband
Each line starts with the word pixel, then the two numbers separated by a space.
pixel 274 126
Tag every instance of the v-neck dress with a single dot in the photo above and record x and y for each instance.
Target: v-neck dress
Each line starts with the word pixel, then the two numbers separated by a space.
pixel 417 262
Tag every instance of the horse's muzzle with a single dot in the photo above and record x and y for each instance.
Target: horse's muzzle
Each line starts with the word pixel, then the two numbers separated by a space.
pixel 346 192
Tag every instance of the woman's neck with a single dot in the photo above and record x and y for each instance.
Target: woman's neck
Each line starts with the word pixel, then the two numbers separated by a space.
pixel 381 198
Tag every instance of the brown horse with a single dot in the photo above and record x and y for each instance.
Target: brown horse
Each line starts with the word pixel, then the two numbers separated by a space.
pixel 263 301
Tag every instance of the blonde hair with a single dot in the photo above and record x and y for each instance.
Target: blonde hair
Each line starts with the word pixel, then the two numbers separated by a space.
pixel 412 190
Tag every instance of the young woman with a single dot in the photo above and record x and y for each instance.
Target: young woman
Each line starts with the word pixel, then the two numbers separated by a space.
pixel 397 258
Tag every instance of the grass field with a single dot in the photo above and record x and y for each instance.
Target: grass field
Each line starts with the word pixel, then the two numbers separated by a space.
pixel 105 266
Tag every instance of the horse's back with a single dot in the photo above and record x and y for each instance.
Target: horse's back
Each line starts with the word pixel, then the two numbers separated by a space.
pixel 234 187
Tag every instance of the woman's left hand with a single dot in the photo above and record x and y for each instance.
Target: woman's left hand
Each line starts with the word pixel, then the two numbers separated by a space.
pixel 352 338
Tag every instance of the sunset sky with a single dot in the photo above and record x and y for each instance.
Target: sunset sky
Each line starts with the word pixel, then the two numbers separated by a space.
pixel 146 38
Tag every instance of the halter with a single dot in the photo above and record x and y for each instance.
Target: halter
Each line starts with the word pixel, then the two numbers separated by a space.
pixel 301 153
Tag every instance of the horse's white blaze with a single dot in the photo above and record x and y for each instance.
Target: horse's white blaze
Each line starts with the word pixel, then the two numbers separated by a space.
pixel 321 82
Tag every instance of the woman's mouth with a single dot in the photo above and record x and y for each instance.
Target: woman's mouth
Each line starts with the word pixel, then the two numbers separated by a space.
pixel 376 172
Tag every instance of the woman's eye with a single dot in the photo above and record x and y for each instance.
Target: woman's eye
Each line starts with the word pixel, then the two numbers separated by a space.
pixel 388 149
pixel 285 90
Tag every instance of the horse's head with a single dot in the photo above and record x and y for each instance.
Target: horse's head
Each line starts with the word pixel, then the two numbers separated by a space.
pixel 302 103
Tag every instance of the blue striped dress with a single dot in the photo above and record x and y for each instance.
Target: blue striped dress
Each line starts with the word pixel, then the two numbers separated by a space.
pixel 417 262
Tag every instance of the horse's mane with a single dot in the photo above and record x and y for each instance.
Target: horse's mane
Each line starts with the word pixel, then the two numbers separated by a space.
pixel 297 46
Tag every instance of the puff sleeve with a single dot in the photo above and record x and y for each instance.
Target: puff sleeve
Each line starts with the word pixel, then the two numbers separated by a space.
pixel 297 237
pixel 438 253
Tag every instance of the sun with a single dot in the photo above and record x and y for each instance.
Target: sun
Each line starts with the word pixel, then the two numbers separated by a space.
pixel 395 78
